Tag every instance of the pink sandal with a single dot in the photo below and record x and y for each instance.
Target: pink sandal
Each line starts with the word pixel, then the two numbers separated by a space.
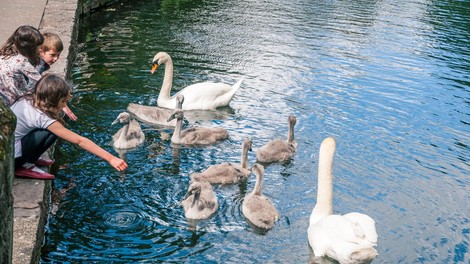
pixel 44 162
pixel 29 170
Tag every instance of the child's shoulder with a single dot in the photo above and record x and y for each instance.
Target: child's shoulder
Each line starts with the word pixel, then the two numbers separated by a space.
pixel 42 66
pixel 16 59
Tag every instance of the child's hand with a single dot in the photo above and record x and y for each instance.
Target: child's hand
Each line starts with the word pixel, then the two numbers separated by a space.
pixel 118 164
pixel 69 113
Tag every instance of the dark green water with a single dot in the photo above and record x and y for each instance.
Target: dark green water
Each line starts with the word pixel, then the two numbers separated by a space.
pixel 388 79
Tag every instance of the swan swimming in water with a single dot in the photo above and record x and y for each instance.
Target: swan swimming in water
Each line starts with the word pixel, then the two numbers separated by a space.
pixel 227 172
pixel 200 201
pixel 199 96
pixel 279 150
pixel 154 115
pixel 348 238
pixel 130 135
pixel 194 135
pixel 256 207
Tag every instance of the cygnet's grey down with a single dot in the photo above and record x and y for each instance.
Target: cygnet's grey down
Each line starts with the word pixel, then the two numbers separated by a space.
pixel 154 115
pixel 195 135
pixel 200 201
pixel 130 135
pixel 227 172
pixel 279 150
pixel 256 207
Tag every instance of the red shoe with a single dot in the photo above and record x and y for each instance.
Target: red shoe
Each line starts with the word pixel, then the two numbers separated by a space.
pixel 29 170
pixel 44 162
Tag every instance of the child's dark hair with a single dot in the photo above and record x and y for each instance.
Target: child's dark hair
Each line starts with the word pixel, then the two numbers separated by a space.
pixel 50 91
pixel 25 41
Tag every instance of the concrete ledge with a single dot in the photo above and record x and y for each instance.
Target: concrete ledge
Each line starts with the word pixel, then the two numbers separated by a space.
pixel 32 198
pixel 30 214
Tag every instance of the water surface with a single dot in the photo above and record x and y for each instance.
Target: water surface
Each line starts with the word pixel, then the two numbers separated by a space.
pixel 388 79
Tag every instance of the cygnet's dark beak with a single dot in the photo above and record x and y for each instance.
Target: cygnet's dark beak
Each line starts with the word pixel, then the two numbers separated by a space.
pixel 171 117
pixel 115 121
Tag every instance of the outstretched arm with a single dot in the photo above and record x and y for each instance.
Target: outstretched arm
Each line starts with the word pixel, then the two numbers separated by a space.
pixel 59 130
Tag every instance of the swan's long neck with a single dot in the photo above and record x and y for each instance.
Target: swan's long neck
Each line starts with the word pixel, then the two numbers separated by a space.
pixel 167 80
pixel 290 134
pixel 244 158
pixel 258 184
pixel 178 129
pixel 324 204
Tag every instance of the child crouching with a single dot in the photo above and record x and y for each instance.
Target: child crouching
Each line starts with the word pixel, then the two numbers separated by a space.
pixel 39 124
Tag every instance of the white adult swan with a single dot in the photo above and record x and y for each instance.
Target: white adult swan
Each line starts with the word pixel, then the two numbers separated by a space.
pixel 200 201
pixel 279 150
pixel 199 96
pixel 195 135
pixel 227 172
pixel 130 135
pixel 256 207
pixel 348 238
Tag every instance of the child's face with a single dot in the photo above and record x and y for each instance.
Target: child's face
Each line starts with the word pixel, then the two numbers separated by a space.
pixel 50 56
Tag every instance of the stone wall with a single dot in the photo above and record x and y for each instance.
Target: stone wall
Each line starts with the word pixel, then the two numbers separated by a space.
pixel 7 128
pixel 88 6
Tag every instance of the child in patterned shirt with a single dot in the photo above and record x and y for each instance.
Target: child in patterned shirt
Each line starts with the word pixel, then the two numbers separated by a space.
pixel 18 59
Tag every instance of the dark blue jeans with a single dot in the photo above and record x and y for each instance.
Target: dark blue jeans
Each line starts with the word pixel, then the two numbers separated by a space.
pixel 33 145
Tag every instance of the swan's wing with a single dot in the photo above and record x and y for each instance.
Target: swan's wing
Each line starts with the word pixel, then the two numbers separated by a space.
pixel 366 225
pixel 209 198
pixel 318 239
pixel 134 131
pixel 223 173
pixel 154 112
pixel 118 134
pixel 260 211
pixel 327 235
pixel 206 95
pixel 151 114
pixel 203 135
pixel 190 136
pixel 341 239
pixel 275 150
pixel 205 91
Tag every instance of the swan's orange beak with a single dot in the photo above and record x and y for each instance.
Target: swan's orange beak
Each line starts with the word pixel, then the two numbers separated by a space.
pixel 154 68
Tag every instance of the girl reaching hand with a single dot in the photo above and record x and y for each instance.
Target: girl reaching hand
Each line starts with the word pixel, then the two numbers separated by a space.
pixel 39 124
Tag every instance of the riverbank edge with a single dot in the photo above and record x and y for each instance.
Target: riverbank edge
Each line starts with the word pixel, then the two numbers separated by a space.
pixel 32 198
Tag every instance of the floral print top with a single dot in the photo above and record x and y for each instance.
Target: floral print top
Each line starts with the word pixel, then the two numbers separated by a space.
pixel 17 77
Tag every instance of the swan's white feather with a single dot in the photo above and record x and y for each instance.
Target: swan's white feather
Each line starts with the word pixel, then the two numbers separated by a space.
pixel 348 238
pixel 198 96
